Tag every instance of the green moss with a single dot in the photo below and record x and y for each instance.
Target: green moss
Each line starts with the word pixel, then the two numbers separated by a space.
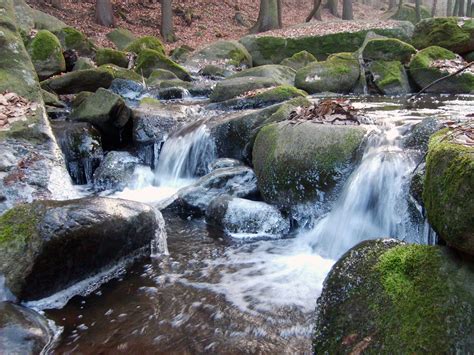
pixel 181 53
pixel 147 42
pixel 389 77
pixel 17 225
pixel 111 56
pixel 389 49
pixel 149 60
pixel 449 180
pixel 299 60
pixel 286 108
pixel 44 45
pixel 236 57
pixel 121 73
pixel 150 101
pixel 281 93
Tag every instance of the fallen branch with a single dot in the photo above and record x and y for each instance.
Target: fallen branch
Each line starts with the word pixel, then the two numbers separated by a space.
pixel 414 96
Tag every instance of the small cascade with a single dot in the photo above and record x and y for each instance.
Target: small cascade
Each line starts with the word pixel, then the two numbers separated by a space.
pixel 159 245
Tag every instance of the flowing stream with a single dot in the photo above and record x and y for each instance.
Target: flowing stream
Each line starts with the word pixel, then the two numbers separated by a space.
pixel 213 295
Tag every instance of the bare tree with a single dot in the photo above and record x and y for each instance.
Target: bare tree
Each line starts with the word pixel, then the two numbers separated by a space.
pixel 433 8
pixel 469 8
pixel 449 7
pixel 315 12
pixel 167 30
pixel 418 10
pixel 392 4
pixel 455 8
pixel 332 4
pixel 269 16
pixel 104 13
pixel 462 7
pixel 347 13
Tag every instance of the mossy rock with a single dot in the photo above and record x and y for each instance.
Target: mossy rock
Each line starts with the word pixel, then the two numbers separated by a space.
pixel 46 54
pixel 84 63
pixel 390 78
pixel 233 87
pixel 72 39
pixel 79 98
pixel 299 60
pixel 215 72
pixel 448 188
pixel 51 99
pixel 388 49
pixel 148 60
pixel 266 49
pixel 301 163
pixel 408 13
pixel 111 56
pixel 383 296
pixel 77 81
pixel 339 73
pixel 23 16
pixel 453 33
pixel 44 21
pixel 147 42
pixel 159 75
pixel 121 37
pixel 121 73
pixel 423 73
pixel 280 73
pixel 181 54
pixel 175 83
pixel 222 53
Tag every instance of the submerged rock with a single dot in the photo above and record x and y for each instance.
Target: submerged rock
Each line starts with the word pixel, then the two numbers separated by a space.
pixel 246 219
pixel 115 172
pixel 47 246
pixel 77 81
pixel 22 330
pixel 449 187
pixel 385 296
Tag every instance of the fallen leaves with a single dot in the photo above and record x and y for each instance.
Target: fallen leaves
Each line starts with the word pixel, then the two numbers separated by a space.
pixel 14 108
pixel 451 66
pixel 331 111
pixel 462 133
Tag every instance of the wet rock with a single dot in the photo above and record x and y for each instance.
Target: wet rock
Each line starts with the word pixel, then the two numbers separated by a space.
pixel 107 112
pixel 420 134
pixel 226 54
pixel 121 37
pixel 146 42
pixel 47 246
pixel 224 163
pixel 81 144
pixel 390 78
pixel 449 180
pixel 234 87
pixel 73 39
pixel 77 81
pixel 22 330
pixel 425 69
pixel 46 54
pixel 282 74
pixel 388 49
pixel 385 296
pixel 84 63
pixel 246 219
pixel 111 56
pixel 301 163
pixel 128 89
pixel 195 199
pixel 299 60
pixel 52 99
pixel 149 60
pixel 115 172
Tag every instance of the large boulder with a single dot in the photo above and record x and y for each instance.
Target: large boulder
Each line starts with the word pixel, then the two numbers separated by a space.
pixel 280 73
pixel 433 63
pixel 383 296
pixel 83 63
pixel 389 78
pixel 121 73
pixel 448 185
pixel 272 49
pixel 47 246
pixel 121 37
pixel 22 330
pixel 44 21
pixel 111 56
pixel 407 12
pixel 115 171
pixel 146 42
pixel 72 39
pixel 107 112
pixel 234 87
pixel 46 54
pixel 301 163
pixel 245 219
pixel 77 81
pixel 455 34
pixel 339 73
pixel 419 135
pixel 388 49
pixel 299 60
pixel 148 60
pixel 222 54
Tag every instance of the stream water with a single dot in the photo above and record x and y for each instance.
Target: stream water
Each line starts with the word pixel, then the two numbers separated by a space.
pixel 214 295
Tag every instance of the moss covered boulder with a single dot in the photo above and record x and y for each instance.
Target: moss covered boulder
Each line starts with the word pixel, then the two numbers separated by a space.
pixel 280 73
pixel 231 88
pixel 453 33
pixel 44 21
pixel 389 49
pixel 46 54
pixel 181 54
pixel 121 37
pixel 121 73
pixel 77 81
pixel 46 246
pixel 83 63
pixel 111 56
pixel 300 163
pixel 448 189
pixel 221 53
pixel 149 60
pixel 299 60
pixel 408 13
pixel 383 296
pixel 390 78
pixel 147 42
pixel 339 73
pixel 73 39
pixel 158 75
pixel 433 63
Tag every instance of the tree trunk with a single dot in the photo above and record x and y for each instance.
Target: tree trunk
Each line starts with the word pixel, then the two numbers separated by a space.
pixel 469 8
pixel 392 4
pixel 449 8
pixel 333 7
pixel 400 5
pixel 347 13
pixel 433 8
pixel 456 8
pixel 462 6
pixel 104 13
pixel 418 10
pixel 269 16
pixel 316 12
pixel 166 30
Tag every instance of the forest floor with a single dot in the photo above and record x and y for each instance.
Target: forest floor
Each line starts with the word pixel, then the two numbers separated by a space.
pixel 211 19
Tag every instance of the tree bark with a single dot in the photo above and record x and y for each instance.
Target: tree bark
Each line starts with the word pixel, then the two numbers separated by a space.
pixel 400 5
pixel 104 13
pixel 418 10
pixel 316 12
pixel 449 8
pixel 392 4
pixel 166 30
pixel 455 8
pixel 347 13
pixel 469 8
pixel 433 8
pixel 332 4
pixel 462 8
pixel 269 16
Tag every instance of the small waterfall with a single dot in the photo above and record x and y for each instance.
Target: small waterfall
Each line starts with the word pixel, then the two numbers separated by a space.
pixel 374 202
pixel 5 294
pixel 185 155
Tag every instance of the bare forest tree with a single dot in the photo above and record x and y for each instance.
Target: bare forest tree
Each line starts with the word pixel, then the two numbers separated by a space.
pixel 433 8
pixel 332 4
pixel 347 13
pixel 104 13
pixel 418 10
pixel 269 16
pixel 316 12
pixel 462 7
pixel 167 30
